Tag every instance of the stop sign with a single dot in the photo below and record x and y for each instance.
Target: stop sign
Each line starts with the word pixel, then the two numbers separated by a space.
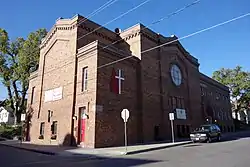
pixel 125 115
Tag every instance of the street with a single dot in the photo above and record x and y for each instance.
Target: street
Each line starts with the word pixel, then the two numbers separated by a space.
pixel 228 153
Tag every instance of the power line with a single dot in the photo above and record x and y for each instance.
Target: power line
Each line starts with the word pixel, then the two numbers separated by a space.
pixel 118 17
pixel 158 21
pixel 190 35
pixel 184 37
pixel 153 23
pixel 98 10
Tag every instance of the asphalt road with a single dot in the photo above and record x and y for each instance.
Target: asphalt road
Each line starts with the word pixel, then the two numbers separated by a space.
pixel 230 153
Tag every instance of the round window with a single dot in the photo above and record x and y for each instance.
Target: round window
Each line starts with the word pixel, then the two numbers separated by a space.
pixel 176 75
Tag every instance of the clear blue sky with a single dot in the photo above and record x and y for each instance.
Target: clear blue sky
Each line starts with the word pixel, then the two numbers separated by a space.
pixel 226 46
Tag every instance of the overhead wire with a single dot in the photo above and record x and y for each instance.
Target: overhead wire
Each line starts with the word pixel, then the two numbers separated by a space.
pixel 155 22
pixel 167 43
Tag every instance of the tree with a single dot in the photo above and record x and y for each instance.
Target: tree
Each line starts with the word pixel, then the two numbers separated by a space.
pixel 18 59
pixel 238 82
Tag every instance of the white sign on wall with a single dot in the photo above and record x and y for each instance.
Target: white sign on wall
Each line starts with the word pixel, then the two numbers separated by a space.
pixel 171 116
pixel 180 113
pixel 57 94
pixel 53 95
pixel 23 117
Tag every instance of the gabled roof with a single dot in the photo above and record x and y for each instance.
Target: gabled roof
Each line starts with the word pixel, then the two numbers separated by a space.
pixel 7 109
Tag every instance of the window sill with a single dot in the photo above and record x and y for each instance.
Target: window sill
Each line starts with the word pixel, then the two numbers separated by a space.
pixel 41 137
pixel 84 92
pixel 54 137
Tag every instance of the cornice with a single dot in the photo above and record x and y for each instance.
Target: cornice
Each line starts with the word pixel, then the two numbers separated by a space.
pixel 83 51
pixel 102 35
pixel 131 36
pixel 117 52
pixel 213 82
pixel 53 31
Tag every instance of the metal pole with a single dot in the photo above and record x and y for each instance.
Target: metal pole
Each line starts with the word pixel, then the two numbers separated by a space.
pixel 125 131
pixel 21 133
pixel 172 128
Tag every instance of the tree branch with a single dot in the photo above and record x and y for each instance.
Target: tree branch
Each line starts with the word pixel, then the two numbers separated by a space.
pixel 11 98
pixel 24 91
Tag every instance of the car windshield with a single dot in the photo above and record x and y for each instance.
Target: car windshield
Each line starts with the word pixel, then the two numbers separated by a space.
pixel 203 128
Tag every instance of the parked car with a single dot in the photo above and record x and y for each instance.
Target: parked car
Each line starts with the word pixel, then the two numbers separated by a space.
pixel 206 133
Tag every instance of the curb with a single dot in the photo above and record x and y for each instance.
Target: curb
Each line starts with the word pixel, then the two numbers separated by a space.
pixel 29 149
pixel 157 148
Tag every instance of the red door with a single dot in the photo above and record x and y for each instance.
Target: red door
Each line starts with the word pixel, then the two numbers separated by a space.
pixel 82 129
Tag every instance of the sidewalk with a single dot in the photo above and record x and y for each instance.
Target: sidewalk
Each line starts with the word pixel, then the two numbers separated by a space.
pixel 104 152
pixel 88 152
pixel 115 151
pixel 44 149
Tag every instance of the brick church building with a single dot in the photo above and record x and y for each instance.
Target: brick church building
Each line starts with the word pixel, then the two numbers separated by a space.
pixel 76 97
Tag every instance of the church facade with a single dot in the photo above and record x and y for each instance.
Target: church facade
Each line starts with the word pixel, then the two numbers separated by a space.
pixel 85 79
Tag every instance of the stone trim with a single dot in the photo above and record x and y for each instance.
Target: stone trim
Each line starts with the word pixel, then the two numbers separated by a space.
pixel 115 52
pixel 102 35
pixel 130 36
pixel 83 51
pixel 52 32
pixel 146 35
pixel 52 44
pixel 213 82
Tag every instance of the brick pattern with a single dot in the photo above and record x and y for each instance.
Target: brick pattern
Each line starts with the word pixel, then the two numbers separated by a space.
pixel 146 90
pixel 109 124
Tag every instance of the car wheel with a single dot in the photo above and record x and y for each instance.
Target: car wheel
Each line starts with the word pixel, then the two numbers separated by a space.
pixel 218 138
pixel 209 140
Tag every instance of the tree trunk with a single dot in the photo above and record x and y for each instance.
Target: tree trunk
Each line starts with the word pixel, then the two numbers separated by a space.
pixel 23 94
pixel 17 111
pixel 11 98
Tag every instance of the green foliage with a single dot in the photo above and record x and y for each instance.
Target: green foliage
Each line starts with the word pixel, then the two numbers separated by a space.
pixel 17 60
pixel 238 82
pixel 9 132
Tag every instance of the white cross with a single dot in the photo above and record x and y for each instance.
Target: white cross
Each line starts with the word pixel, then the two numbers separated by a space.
pixel 120 79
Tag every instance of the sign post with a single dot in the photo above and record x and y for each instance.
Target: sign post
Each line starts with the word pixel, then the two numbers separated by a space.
pixel 22 120
pixel 125 116
pixel 171 118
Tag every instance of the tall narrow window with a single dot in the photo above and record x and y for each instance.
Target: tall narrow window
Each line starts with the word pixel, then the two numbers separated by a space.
pixel 54 130
pixel 32 95
pixel 50 114
pixel 182 103
pixel 174 102
pixel 178 102
pixel 42 125
pixel 84 79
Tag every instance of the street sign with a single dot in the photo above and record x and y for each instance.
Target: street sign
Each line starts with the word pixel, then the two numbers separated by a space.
pixel 171 116
pixel 23 117
pixel 125 115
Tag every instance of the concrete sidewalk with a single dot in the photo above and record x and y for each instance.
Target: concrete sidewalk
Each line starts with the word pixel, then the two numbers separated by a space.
pixel 87 152
pixel 115 151
pixel 111 151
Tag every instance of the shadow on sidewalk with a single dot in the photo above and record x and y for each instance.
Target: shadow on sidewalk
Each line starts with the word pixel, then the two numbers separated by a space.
pixel 83 160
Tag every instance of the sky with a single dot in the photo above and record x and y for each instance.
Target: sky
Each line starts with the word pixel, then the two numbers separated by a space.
pixel 226 46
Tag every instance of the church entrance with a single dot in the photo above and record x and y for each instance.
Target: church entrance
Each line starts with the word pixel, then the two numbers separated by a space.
pixel 82 125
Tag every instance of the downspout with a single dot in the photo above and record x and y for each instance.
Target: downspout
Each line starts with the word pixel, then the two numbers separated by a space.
pixel 41 91
pixel 73 140
pixel 160 82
